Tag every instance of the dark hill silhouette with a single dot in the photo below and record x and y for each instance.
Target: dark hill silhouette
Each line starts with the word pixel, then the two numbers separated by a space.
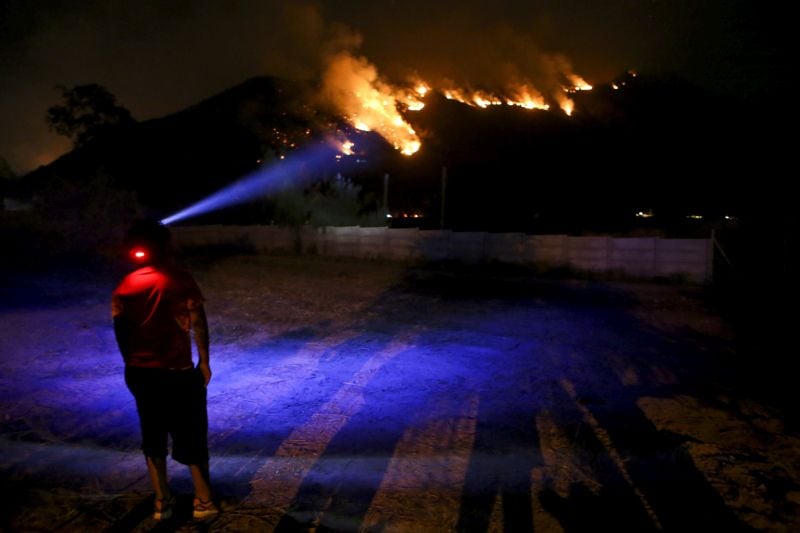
pixel 651 140
pixel 182 157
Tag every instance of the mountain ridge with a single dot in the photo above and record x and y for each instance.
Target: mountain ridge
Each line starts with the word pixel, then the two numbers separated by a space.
pixel 646 138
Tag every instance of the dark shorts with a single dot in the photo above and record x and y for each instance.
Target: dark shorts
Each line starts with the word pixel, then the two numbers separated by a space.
pixel 171 402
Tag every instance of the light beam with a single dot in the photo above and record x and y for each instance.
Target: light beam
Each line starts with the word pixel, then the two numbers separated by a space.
pixel 298 166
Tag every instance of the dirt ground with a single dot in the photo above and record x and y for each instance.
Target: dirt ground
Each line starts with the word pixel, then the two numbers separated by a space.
pixel 369 396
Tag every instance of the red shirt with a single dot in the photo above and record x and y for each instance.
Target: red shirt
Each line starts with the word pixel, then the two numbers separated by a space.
pixel 151 317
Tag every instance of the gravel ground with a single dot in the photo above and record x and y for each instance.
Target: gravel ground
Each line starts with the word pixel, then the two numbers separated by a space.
pixel 374 396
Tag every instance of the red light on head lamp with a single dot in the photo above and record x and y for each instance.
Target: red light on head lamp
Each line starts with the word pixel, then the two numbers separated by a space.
pixel 139 255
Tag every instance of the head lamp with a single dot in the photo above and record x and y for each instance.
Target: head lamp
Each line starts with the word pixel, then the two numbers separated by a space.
pixel 139 254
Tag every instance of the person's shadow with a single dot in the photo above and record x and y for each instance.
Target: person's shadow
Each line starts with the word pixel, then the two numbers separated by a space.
pixel 503 456
pixel 648 479
pixel 645 479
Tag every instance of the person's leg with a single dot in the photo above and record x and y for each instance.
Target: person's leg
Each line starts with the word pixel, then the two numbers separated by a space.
pixel 157 468
pixel 190 436
pixel 203 506
pixel 200 479
pixel 146 385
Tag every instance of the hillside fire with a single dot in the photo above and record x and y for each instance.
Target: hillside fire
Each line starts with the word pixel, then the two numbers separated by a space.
pixel 370 103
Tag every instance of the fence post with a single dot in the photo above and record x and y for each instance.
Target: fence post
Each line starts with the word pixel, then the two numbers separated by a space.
pixel 710 256
pixel 385 197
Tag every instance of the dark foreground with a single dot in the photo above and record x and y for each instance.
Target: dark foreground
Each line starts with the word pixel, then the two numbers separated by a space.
pixel 374 397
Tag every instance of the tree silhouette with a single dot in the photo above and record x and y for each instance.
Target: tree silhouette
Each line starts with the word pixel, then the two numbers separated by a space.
pixel 6 173
pixel 86 112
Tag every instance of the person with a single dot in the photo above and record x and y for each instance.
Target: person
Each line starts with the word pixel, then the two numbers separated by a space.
pixel 154 309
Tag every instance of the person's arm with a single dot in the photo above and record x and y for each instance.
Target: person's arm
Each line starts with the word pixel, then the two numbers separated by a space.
pixel 201 339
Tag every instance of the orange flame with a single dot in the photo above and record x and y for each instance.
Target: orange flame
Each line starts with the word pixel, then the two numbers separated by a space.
pixel 566 104
pixel 368 103
pixel 520 95
pixel 527 97
pixel 413 98
pixel 457 95
pixel 347 147
pixel 578 83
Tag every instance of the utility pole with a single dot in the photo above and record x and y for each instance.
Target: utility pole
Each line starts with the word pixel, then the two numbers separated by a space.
pixel 386 196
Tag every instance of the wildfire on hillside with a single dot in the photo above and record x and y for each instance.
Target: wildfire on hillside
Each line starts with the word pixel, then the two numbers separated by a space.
pixel 370 103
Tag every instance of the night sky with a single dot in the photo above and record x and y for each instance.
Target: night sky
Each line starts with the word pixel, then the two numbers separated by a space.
pixel 159 57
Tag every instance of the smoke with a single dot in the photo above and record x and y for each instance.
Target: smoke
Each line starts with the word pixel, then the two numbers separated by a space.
pixel 503 66
pixel 476 64
pixel 352 86
pixel 449 45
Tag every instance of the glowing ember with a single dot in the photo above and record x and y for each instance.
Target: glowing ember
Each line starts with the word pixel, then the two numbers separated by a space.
pixel 342 144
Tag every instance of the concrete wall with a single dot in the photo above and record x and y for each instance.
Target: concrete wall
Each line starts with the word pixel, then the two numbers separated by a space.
pixel 646 257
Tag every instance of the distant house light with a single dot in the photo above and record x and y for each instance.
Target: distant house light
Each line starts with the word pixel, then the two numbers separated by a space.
pixel 648 213
pixel 695 217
